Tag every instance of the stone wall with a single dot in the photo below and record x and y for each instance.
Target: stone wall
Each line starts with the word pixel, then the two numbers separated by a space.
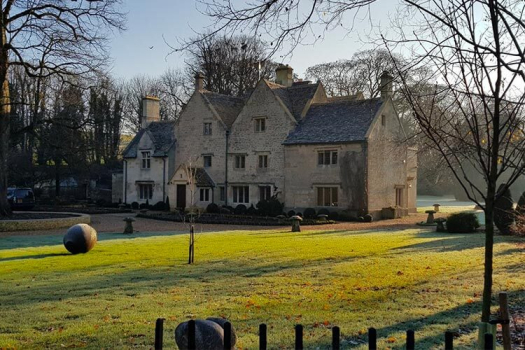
pixel 192 144
pixel 387 162
pixel 246 141
pixel 304 175
pixel 133 172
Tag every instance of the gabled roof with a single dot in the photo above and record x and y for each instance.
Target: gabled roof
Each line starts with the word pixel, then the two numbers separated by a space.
pixel 338 121
pixel 294 97
pixel 202 178
pixel 162 135
pixel 227 107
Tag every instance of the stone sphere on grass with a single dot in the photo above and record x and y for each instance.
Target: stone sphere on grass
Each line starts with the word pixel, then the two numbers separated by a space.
pixel 80 238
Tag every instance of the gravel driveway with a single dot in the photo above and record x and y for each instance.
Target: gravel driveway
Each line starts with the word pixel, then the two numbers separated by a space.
pixel 114 223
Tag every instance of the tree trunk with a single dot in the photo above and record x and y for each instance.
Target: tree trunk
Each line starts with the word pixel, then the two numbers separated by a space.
pixel 489 247
pixel 5 111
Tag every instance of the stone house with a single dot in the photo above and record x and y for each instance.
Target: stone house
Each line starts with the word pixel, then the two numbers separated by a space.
pixel 291 141
pixel 149 159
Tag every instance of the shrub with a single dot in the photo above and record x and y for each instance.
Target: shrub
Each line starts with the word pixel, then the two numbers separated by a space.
pixel 161 206
pixel 462 223
pixel 309 213
pixel 332 215
pixel 271 207
pixel 135 205
pixel 225 210
pixel 240 209
pixel 100 202
pixel 323 211
pixel 168 203
pixel 251 210
pixel 212 208
pixel 144 206
pixel 368 218
pixel 290 213
pixel 503 211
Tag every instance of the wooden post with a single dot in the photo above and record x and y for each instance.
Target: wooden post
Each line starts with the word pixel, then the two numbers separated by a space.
pixel 372 339
pixel 299 337
pixel 449 340
pixel 263 341
pixel 505 317
pixel 227 336
pixel 191 335
pixel 411 341
pixel 489 341
pixel 159 333
pixel 336 338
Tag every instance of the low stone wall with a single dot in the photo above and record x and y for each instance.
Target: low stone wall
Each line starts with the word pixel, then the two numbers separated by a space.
pixel 44 224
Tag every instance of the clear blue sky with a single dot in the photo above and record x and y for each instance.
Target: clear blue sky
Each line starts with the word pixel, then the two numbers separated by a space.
pixel 149 22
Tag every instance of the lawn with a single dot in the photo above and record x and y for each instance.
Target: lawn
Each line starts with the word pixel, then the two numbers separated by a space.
pixel 391 280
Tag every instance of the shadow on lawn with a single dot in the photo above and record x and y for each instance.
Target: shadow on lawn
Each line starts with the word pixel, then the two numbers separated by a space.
pixel 36 256
pixel 16 242
pixel 139 281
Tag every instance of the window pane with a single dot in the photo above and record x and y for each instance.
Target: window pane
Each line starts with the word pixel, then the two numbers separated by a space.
pixel 320 158
pixel 221 193
pixel 334 157
pixel 243 162
pixel 335 198
pixel 319 196
pixel 327 157
pixel 246 194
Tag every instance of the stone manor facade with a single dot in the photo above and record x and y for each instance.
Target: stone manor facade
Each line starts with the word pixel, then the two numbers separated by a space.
pixel 286 139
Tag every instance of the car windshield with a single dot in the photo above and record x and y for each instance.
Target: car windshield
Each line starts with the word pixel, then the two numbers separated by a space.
pixel 24 193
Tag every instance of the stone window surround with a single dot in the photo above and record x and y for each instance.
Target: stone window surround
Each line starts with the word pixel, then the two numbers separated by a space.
pixel 204 194
pixel 145 162
pixel 331 162
pixel 324 188
pixel 260 124
pixel 207 128
pixel 209 157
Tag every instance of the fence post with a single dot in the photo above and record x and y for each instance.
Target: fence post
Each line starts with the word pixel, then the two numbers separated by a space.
pixel 191 335
pixel 336 335
pixel 489 341
pixel 263 341
pixel 505 318
pixel 159 333
pixel 227 335
pixel 411 341
pixel 298 337
pixel 449 340
pixel 372 339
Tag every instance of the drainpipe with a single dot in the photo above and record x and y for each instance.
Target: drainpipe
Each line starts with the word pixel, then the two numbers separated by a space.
pixel 226 169
pixel 164 179
pixel 125 182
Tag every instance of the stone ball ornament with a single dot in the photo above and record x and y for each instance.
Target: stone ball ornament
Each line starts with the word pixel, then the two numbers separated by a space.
pixel 80 238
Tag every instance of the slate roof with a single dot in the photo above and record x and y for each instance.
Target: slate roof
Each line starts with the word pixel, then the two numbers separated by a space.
pixel 228 107
pixel 294 97
pixel 202 179
pixel 162 135
pixel 337 121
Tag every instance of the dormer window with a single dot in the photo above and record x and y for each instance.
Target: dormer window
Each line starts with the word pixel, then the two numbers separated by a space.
pixel 146 160
pixel 207 128
pixel 260 124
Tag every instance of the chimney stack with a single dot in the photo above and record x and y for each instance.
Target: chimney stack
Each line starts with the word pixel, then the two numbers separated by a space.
pixel 150 110
pixel 284 75
pixel 199 81
pixel 386 85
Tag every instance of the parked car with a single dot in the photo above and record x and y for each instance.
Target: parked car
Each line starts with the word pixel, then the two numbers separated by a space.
pixel 21 198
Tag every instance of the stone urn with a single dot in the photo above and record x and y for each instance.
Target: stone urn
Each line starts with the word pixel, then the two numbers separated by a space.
pixel 296 223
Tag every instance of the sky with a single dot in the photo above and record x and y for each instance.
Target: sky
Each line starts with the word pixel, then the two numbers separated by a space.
pixel 151 25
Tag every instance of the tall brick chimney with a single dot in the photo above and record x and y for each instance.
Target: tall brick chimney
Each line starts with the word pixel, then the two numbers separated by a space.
pixel 284 75
pixel 150 110
pixel 386 85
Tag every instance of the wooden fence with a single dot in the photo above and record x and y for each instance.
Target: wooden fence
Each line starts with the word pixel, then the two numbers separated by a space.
pixel 336 337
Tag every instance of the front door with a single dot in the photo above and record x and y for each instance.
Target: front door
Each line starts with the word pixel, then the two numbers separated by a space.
pixel 181 196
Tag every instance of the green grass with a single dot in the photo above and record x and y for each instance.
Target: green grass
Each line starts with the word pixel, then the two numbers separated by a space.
pixel 447 209
pixel 110 297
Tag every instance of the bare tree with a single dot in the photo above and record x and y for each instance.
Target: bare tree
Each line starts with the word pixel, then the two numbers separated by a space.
pixel 49 37
pixel 231 65
pixel 475 49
